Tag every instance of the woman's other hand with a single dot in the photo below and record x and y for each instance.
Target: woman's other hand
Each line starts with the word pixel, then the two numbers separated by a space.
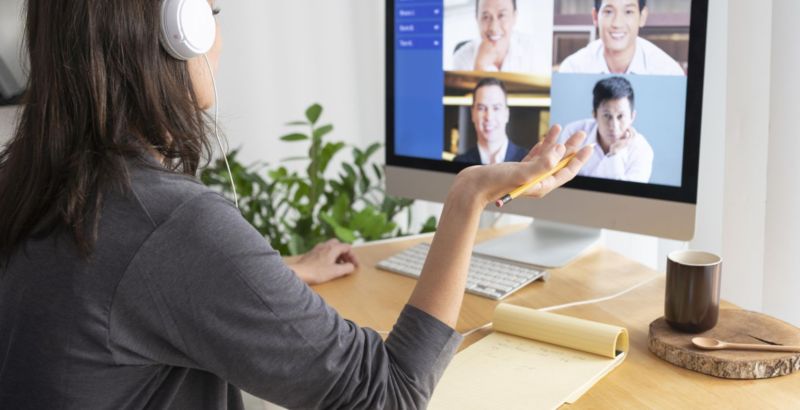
pixel 326 262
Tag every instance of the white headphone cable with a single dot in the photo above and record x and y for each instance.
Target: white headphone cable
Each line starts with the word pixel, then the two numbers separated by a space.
pixel 216 131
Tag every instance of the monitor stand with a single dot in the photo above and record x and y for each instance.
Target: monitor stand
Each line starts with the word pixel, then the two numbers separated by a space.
pixel 544 244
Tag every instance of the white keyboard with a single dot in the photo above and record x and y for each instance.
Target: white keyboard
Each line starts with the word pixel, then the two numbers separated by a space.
pixel 488 277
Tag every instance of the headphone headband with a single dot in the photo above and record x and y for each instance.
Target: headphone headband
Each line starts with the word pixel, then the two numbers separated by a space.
pixel 188 28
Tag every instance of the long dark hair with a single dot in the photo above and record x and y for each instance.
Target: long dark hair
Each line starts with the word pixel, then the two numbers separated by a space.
pixel 101 90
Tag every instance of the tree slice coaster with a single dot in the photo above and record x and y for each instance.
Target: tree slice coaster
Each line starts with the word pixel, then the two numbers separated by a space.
pixel 734 325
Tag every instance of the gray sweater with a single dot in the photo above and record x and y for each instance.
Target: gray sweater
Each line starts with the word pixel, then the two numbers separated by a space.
pixel 181 305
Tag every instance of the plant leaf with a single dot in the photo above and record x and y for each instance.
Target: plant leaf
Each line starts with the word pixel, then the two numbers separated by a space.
pixel 294 137
pixel 323 130
pixel 429 226
pixel 351 173
pixel 296 245
pixel 278 173
pixel 364 181
pixel 302 191
pixel 328 151
pixel 313 112
pixel 297 209
pixel 341 206
pixel 344 234
pixel 358 157
pixel 288 159
pixel 378 173
pixel 371 223
pixel 371 149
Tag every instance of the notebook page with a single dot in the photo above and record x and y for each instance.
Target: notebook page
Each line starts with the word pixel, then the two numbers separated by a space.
pixel 503 371
pixel 509 371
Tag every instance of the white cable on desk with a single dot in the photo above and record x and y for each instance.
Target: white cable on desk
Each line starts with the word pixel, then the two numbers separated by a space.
pixel 579 303
pixel 563 306
pixel 603 299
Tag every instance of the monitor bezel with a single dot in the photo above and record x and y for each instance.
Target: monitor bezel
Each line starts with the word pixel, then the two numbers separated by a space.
pixel 686 193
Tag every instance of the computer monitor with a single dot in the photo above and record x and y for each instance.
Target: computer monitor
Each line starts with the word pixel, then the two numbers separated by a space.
pixel 478 81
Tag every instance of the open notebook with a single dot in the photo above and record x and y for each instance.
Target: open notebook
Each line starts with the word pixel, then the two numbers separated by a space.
pixel 533 360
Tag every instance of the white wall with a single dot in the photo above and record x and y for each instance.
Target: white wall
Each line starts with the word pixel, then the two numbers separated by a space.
pixel 747 132
pixel 782 225
pixel 750 202
pixel 12 81
pixel 7 123
pixel 281 56
pixel 708 225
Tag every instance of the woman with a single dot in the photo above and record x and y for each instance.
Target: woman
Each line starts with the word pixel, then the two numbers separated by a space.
pixel 127 284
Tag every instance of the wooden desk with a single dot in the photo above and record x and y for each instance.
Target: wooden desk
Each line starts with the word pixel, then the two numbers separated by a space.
pixel 374 298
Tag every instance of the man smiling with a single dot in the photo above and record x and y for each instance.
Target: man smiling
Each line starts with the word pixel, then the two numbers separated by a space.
pixel 620 50
pixel 500 47
pixel 490 115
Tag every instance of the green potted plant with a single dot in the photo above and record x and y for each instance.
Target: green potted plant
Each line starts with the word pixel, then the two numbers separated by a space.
pixel 296 211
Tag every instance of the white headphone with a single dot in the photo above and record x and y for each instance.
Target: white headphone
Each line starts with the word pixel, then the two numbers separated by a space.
pixel 188 30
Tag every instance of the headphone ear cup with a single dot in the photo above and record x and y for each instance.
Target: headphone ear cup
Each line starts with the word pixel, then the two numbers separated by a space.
pixel 188 28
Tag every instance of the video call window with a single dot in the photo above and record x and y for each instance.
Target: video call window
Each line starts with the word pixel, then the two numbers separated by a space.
pixel 498 36
pixel 493 119
pixel 615 69
pixel 666 26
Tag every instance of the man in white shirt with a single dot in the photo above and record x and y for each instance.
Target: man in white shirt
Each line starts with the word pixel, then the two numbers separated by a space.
pixel 490 117
pixel 620 50
pixel 620 152
pixel 499 48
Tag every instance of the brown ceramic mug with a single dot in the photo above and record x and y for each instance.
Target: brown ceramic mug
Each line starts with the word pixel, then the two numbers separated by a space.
pixel 691 303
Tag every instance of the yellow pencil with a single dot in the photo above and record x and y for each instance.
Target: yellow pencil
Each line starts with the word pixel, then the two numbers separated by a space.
pixel 517 192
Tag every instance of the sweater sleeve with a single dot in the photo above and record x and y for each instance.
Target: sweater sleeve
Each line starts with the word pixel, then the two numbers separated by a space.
pixel 206 291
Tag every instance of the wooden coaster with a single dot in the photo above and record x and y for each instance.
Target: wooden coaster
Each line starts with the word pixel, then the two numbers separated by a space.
pixel 734 325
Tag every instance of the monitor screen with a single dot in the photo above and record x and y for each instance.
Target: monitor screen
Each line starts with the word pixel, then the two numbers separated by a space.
pixel 481 81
